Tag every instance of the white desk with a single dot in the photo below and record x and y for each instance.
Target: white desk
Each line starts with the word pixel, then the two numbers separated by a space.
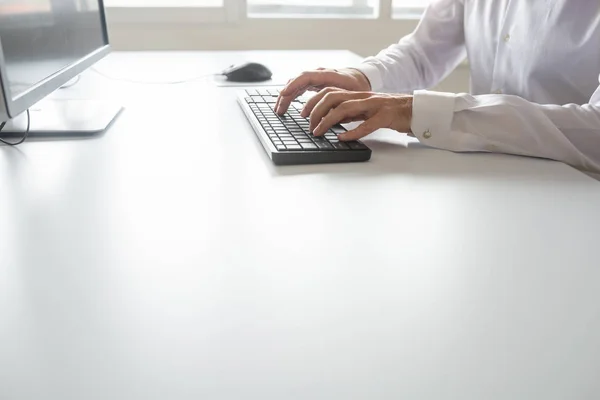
pixel 169 259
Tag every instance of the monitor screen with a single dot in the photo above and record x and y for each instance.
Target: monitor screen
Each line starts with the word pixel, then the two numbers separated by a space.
pixel 41 37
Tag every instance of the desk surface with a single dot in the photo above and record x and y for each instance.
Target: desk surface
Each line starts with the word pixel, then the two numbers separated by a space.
pixel 169 259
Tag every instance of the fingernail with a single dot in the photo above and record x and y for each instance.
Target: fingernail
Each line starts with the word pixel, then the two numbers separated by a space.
pixel 341 136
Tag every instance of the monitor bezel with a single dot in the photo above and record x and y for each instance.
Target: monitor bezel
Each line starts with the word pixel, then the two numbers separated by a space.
pixel 27 99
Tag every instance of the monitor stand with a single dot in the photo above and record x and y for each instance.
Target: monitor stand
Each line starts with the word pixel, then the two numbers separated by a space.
pixel 64 118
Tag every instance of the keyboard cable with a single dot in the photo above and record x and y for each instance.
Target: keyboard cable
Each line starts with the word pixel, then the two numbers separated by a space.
pixel 25 134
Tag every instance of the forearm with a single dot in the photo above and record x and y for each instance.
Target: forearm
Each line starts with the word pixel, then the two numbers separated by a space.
pixel 509 124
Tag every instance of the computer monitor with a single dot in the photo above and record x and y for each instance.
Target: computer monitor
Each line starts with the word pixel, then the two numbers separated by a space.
pixel 43 45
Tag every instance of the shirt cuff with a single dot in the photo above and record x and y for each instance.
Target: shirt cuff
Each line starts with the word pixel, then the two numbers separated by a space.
pixel 372 74
pixel 432 117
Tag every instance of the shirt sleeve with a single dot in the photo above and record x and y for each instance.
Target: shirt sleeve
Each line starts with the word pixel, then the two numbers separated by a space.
pixel 509 124
pixel 425 57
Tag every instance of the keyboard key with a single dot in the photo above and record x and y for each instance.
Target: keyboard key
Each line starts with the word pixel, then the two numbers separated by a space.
pixel 324 146
pixel 340 146
pixel 309 146
pixel 356 145
pixel 280 147
pixel 338 129
pixel 294 147
pixel 252 92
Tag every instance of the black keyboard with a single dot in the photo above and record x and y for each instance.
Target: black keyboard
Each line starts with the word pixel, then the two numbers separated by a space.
pixel 287 138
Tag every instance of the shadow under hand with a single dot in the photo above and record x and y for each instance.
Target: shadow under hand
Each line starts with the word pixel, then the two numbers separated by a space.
pixel 400 155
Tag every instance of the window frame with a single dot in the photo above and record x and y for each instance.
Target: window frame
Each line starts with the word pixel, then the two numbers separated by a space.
pixel 357 9
pixel 236 11
pixel 231 11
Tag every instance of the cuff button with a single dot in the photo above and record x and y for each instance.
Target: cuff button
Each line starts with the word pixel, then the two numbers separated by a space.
pixel 427 134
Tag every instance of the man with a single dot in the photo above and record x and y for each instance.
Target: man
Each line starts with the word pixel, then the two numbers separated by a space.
pixel 535 70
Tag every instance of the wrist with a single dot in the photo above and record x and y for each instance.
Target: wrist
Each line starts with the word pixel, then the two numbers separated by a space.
pixel 409 114
pixel 404 113
pixel 363 82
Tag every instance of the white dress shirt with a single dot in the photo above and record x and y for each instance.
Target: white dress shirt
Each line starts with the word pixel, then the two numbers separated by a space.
pixel 535 71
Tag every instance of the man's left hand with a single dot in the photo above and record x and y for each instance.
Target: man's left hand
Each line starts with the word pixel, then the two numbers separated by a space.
pixel 332 106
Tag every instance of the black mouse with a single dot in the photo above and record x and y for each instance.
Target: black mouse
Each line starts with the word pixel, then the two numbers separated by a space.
pixel 248 72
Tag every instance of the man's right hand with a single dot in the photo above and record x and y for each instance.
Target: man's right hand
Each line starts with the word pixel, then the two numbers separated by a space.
pixel 347 78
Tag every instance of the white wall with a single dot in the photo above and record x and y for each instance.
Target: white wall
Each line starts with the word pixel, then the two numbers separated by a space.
pixel 364 37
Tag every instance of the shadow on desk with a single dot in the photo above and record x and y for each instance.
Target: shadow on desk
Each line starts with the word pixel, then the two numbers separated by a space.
pixel 407 157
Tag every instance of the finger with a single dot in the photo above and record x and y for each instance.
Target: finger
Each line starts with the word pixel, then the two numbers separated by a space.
pixel 364 129
pixel 346 110
pixel 310 104
pixel 279 97
pixel 300 84
pixel 285 101
pixel 304 80
pixel 352 119
pixel 330 101
pixel 315 88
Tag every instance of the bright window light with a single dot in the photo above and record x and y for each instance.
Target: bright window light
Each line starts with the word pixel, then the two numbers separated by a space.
pixel 313 8
pixel 164 3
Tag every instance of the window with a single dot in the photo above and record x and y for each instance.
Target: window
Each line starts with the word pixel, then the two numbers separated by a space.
pixel 313 8
pixel 168 11
pixel 214 10
pixel 408 8
pixel 164 3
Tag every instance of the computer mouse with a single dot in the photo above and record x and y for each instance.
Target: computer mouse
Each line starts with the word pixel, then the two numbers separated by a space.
pixel 248 72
